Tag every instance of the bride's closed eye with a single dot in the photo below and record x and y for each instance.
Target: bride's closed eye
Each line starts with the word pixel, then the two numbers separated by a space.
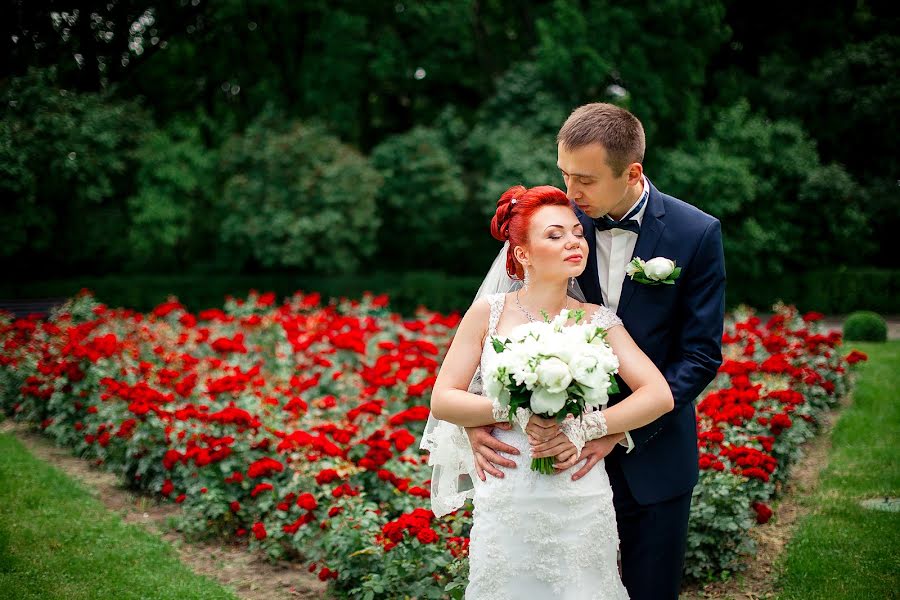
pixel 556 236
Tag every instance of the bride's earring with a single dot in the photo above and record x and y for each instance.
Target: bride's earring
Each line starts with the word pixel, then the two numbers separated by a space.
pixel 572 282
pixel 527 279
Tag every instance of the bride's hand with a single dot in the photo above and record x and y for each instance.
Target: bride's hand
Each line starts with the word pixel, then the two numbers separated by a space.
pixel 559 446
pixel 541 430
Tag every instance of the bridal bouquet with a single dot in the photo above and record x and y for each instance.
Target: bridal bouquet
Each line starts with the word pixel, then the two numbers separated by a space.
pixel 553 370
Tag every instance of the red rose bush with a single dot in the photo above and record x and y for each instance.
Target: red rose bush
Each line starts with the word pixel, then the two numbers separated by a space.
pixel 295 426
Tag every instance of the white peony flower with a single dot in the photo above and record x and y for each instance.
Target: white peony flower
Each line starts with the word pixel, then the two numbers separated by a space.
pixel 559 345
pixel 526 376
pixel 553 374
pixel 584 369
pixel 596 397
pixel 545 402
pixel 495 389
pixel 658 268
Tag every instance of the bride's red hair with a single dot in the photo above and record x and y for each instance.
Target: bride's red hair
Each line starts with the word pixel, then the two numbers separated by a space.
pixel 511 221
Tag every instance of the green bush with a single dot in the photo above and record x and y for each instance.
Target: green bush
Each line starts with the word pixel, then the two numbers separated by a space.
pixel 865 326
pixel 169 212
pixel 296 197
pixel 422 205
pixel 66 164
pixel 840 290
pixel 783 210
pixel 407 291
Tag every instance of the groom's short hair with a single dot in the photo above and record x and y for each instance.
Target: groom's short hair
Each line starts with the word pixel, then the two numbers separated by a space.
pixel 611 126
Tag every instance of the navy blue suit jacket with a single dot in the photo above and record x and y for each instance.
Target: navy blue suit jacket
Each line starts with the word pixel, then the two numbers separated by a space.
pixel 679 327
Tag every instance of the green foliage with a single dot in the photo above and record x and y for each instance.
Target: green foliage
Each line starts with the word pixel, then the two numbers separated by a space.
pixel 422 201
pixel 765 182
pixel 865 326
pixel 719 521
pixel 510 155
pixel 659 76
pixel 755 121
pixel 835 290
pixel 67 158
pixel 175 182
pixel 295 196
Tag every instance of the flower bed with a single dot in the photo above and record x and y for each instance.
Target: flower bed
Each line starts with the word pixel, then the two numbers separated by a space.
pixel 296 426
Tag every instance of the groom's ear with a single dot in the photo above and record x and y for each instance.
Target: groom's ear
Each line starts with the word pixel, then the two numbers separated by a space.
pixel 635 173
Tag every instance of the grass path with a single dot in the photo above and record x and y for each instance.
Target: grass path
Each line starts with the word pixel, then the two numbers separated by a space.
pixel 57 542
pixel 841 550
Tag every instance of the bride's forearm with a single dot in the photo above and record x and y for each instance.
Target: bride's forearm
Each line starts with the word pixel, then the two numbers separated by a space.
pixel 462 408
pixel 644 406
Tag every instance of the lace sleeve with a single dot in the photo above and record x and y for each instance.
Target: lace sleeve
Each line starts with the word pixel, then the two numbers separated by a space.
pixel 589 427
pixel 605 318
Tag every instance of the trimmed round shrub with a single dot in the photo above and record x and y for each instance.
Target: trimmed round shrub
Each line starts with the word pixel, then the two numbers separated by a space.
pixel 865 326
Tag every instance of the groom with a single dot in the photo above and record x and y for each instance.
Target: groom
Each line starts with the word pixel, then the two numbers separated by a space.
pixel 653 469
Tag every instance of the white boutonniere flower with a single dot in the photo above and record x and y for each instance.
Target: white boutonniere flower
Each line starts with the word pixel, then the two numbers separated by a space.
pixel 654 271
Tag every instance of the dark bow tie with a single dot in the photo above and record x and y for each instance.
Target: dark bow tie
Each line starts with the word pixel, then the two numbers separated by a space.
pixel 628 223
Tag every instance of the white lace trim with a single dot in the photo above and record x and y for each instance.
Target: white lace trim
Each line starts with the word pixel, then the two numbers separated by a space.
pixel 605 318
pixel 591 426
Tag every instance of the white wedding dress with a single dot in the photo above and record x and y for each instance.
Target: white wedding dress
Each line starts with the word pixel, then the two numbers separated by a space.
pixel 542 537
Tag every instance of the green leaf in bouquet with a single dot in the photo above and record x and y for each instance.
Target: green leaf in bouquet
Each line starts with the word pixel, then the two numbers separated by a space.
pixel 545 315
pixel 613 385
pixel 577 314
pixel 498 345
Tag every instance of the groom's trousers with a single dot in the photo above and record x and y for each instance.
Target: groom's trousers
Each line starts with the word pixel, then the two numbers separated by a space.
pixel 652 540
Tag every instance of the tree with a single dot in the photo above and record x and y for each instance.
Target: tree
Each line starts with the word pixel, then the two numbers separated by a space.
pixel 69 156
pixel 169 213
pixel 426 220
pixel 296 197
pixel 781 209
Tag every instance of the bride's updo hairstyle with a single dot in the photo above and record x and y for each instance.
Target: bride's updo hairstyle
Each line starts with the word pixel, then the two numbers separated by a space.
pixel 514 211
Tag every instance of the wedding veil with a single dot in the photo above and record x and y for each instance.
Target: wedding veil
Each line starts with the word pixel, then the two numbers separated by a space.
pixel 450 455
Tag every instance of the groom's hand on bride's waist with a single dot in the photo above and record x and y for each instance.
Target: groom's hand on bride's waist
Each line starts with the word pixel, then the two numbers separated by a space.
pixel 595 451
pixel 485 447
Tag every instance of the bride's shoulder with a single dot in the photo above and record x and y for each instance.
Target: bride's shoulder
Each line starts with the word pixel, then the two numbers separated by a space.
pixel 481 307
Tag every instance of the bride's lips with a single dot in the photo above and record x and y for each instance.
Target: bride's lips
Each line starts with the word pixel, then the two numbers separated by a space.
pixel 574 258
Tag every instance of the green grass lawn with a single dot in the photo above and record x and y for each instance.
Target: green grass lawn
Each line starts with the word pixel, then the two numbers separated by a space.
pixel 56 541
pixel 841 550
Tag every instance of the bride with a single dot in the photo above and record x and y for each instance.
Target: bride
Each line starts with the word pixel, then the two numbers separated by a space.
pixel 535 536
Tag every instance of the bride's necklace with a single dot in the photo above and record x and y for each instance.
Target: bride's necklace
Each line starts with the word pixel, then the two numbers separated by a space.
pixel 528 314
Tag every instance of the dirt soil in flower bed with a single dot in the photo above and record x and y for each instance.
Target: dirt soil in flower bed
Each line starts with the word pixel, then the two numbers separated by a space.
pixel 757 580
pixel 251 575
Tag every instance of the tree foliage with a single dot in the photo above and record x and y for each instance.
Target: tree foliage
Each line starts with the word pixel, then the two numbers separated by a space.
pixel 67 158
pixel 137 136
pixel 295 197
pixel 765 181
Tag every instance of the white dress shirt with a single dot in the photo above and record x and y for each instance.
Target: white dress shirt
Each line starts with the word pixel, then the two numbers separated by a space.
pixel 614 250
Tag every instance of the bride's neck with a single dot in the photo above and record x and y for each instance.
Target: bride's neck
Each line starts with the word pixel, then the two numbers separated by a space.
pixel 551 297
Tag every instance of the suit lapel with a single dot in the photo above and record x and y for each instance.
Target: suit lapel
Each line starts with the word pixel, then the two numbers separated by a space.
pixel 590 279
pixel 652 228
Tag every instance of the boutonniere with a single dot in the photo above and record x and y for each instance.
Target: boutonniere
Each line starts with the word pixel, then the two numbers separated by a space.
pixel 654 271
